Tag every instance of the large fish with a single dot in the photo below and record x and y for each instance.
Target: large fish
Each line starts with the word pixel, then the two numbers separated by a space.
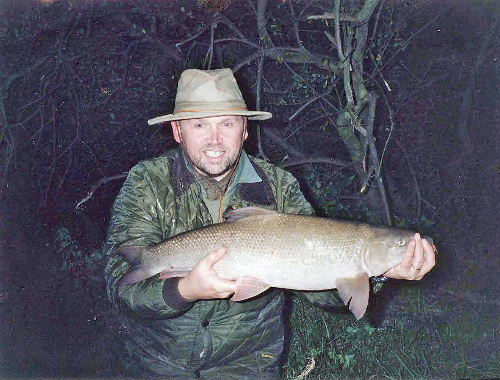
pixel 269 249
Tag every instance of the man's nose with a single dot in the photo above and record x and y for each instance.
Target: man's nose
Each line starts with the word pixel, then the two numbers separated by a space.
pixel 215 135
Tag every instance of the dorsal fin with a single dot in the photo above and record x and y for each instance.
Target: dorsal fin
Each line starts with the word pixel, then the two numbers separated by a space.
pixel 247 212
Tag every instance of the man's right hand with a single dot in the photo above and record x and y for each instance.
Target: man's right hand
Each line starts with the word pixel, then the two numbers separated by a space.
pixel 203 283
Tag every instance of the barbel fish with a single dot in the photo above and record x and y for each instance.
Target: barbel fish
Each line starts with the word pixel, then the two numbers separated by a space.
pixel 265 248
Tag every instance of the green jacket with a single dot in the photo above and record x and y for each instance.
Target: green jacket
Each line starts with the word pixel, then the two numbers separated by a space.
pixel 166 336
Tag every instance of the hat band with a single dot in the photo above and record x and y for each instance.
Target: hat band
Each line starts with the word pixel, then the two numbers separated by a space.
pixel 211 110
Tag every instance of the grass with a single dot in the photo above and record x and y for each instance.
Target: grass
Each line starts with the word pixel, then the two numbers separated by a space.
pixel 461 345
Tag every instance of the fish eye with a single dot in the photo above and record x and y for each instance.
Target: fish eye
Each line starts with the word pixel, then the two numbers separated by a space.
pixel 401 243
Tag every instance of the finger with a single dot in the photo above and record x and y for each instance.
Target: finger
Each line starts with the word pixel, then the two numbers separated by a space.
pixel 418 257
pixel 430 259
pixel 434 248
pixel 214 256
pixel 222 285
pixel 408 256
pixel 429 252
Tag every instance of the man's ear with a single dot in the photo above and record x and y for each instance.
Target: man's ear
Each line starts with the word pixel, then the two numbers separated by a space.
pixel 176 130
pixel 245 128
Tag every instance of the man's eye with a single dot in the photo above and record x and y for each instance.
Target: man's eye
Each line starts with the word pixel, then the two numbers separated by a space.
pixel 227 124
pixel 198 125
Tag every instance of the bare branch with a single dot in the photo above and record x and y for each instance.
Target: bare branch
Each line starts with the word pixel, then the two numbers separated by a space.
pixel 315 160
pixel 257 106
pixel 362 17
pixel 200 32
pixel 311 100
pixel 375 160
pixel 98 184
pixel 338 41
pixel 243 41
pixel 291 55
pixel 210 52
pixel 289 149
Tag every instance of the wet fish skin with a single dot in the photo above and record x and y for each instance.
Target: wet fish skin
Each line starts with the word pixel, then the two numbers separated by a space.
pixel 270 249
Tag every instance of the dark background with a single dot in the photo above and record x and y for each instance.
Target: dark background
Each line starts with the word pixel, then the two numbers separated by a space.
pixel 80 79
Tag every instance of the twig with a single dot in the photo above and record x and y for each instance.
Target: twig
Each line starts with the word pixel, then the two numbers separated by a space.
pixel 257 106
pixel 338 41
pixel 200 32
pixel 223 19
pixel 377 18
pixel 5 87
pixel 374 157
pixel 98 184
pixel 391 119
pixel 330 38
pixel 261 22
pixel 240 40
pixel 285 146
pixel 361 17
pixel 311 100
pixel 316 160
pixel 343 57
pixel 332 16
pixel 295 26
pixel 309 367
pixel 294 55
pixel 210 51
pixel 309 121
pixel 420 198
pixel 403 45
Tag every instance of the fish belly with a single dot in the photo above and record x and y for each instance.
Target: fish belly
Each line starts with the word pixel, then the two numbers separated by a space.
pixel 290 271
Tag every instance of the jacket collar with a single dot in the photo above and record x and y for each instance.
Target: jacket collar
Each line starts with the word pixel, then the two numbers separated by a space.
pixel 251 180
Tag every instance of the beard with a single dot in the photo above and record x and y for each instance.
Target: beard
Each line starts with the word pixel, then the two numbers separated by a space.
pixel 223 167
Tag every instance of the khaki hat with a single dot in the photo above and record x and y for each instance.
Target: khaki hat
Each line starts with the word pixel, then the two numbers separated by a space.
pixel 207 93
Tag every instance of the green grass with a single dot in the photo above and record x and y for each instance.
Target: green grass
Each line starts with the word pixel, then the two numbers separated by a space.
pixel 344 348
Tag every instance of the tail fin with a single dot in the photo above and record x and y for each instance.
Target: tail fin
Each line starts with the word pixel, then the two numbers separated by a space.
pixel 132 254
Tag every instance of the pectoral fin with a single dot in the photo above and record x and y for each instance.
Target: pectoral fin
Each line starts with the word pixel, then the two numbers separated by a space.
pixel 134 275
pixel 248 287
pixel 356 290
pixel 174 272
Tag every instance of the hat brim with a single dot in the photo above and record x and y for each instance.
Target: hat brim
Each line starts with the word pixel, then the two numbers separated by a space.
pixel 252 115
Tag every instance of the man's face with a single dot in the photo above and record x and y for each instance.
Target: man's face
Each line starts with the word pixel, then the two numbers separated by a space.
pixel 213 144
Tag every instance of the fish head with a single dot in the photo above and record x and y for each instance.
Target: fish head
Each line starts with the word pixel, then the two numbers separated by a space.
pixel 385 248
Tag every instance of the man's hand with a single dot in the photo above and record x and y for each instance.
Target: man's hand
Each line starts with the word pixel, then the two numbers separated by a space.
pixel 419 259
pixel 204 283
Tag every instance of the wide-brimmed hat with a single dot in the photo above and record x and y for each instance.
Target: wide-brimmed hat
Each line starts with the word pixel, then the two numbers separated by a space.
pixel 207 93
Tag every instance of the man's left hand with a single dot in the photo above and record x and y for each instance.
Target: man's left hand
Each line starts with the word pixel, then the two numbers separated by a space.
pixel 419 259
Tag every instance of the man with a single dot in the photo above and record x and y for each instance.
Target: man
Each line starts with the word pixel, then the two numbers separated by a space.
pixel 183 328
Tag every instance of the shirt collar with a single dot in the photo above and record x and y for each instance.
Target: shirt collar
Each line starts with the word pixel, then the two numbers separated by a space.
pixel 245 172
